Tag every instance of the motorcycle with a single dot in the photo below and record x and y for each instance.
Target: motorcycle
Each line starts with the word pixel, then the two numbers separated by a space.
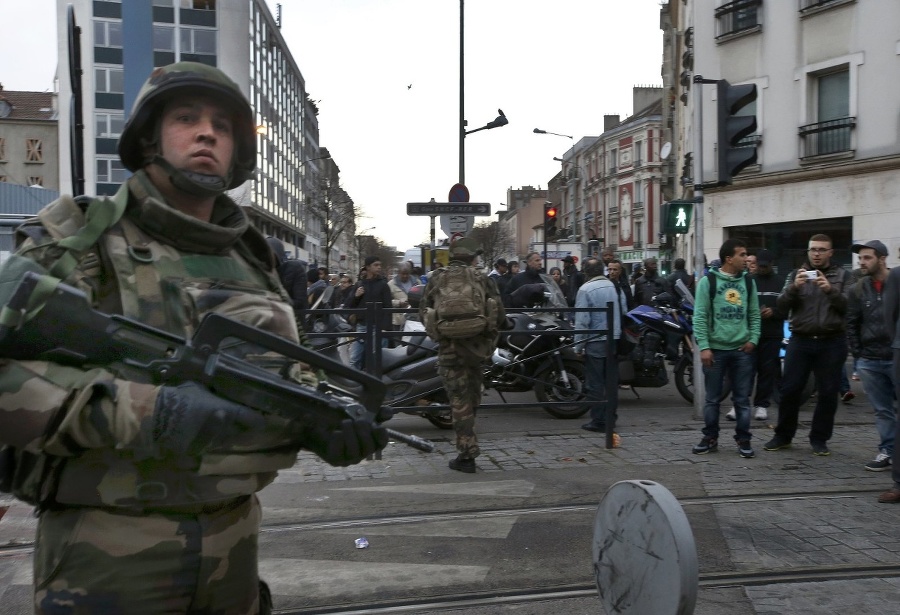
pixel 529 359
pixel 408 371
pixel 657 334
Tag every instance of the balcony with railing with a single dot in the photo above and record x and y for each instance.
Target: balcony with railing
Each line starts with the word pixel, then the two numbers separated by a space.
pixel 814 6
pixel 828 137
pixel 737 17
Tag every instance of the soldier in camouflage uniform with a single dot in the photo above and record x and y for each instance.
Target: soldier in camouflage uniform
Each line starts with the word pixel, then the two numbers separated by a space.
pixel 146 493
pixel 460 360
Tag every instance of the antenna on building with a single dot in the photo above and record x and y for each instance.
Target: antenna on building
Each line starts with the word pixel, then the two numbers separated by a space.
pixel 278 16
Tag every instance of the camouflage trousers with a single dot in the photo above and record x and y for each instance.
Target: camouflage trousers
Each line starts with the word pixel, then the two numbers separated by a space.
pixel 92 561
pixel 463 384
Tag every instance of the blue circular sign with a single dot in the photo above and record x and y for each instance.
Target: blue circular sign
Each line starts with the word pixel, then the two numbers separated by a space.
pixel 459 194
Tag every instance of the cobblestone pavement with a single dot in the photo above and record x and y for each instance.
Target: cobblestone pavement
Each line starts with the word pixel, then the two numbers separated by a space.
pixel 843 527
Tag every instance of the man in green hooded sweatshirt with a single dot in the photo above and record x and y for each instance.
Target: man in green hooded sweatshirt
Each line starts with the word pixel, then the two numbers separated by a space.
pixel 727 327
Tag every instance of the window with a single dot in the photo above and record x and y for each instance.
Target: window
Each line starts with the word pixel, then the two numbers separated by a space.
pixel 109 124
pixel 195 40
pixel 613 160
pixel 110 171
pixel 33 150
pixel 35 180
pixel 832 132
pixel 108 33
pixel 737 16
pixel 638 146
pixel 163 38
pixel 109 80
pixel 2 148
pixel 809 5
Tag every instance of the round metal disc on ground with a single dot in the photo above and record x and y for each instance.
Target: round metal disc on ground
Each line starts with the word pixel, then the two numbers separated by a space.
pixel 645 559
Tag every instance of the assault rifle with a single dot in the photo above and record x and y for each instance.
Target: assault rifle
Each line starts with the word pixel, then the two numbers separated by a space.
pixel 61 326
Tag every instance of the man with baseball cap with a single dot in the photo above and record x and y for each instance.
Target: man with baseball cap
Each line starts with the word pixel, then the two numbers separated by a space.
pixel 869 340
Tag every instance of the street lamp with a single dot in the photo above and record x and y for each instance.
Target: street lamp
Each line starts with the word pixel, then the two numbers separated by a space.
pixel 547 132
pixel 501 119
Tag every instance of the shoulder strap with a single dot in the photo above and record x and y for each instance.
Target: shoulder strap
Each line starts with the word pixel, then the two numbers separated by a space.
pixel 101 215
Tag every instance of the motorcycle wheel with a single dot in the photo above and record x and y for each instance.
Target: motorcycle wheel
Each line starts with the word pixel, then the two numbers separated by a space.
pixel 441 421
pixel 551 388
pixel 684 379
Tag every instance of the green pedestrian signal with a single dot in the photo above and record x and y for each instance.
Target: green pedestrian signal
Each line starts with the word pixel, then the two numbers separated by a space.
pixel 676 217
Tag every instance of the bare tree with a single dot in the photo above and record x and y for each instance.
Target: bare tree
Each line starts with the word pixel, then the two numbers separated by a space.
pixel 495 241
pixel 336 211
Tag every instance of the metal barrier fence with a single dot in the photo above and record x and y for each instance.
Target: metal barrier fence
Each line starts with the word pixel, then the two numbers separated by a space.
pixel 373 338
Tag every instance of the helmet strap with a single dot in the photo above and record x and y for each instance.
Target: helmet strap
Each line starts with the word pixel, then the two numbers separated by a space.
pixel 197 184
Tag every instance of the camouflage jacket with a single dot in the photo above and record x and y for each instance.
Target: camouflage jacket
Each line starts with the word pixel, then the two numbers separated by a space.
pixel 85 429
pixel 466 350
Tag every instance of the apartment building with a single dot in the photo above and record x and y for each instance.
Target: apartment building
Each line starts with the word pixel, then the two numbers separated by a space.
pixel 827 136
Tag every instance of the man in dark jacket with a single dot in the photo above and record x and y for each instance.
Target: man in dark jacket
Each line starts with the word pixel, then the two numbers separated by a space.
pixel 814 295
pixel 649 284
pixel 373 288
pixel 574 279
pixel 681 274
pixel 529 277
pixel 891 301
pixel 292 275
pixel 768 359
pixel 870 343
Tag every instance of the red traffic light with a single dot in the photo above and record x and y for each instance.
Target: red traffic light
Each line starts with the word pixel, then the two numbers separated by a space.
pixel 551 212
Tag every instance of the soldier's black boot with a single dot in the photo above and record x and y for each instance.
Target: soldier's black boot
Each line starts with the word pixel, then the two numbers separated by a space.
pixel 463 465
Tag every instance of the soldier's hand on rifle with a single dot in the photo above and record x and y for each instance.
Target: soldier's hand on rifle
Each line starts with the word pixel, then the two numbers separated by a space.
pixel 189 419
pixel 352 442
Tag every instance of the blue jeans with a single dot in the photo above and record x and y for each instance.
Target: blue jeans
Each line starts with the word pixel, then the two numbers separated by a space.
pixel 358 348
pixel 739 365
pixel 824 357
pixel 604 394
pixel 878 382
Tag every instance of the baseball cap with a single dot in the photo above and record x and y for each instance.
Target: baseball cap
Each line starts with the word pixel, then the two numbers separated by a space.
pixel 880 248
pixel 568 259
pixel 764 257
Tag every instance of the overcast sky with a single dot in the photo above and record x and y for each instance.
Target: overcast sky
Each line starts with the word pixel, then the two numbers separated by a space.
pixel 559 65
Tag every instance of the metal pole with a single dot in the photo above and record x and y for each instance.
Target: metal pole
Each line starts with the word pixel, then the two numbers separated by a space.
pixel 697 101
pixel 462 101
pixel 431 264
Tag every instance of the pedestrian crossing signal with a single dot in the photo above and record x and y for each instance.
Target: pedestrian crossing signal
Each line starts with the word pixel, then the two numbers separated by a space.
pixel 676 217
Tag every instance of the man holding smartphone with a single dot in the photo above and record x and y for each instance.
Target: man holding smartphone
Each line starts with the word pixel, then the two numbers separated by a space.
pixel 814 294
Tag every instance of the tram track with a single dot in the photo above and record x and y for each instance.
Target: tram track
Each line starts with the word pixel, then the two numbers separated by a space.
pixel 23 548
pixel 711 580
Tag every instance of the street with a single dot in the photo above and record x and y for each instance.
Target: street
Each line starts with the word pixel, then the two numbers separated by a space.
pixel 785 532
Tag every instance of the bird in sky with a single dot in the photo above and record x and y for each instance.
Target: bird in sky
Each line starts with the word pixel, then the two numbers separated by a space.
pixel 409 87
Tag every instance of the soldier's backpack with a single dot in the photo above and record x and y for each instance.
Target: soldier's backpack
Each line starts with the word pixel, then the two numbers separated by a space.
pixel 461 308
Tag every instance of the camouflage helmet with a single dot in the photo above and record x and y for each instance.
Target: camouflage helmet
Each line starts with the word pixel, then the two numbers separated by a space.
pixel 464 248
pixel 186 78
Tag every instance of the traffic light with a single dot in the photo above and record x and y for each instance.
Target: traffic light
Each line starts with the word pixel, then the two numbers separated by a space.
pixel 732 127
pixel 550 219
pixel 676 217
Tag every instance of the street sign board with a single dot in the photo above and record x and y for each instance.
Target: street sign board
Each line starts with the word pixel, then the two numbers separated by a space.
pixel 458 224
pixel 440 209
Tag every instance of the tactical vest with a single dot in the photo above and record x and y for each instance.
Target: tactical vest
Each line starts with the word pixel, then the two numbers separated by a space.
pixel 171 289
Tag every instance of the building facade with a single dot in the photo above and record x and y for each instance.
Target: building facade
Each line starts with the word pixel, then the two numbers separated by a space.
pixel 613 182
pixel 827 119
pixel 122 42
pixel 524 217
pixel 28 139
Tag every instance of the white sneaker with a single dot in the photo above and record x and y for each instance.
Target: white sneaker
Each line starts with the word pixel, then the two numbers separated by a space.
pixel 761 414
pixel 732 414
